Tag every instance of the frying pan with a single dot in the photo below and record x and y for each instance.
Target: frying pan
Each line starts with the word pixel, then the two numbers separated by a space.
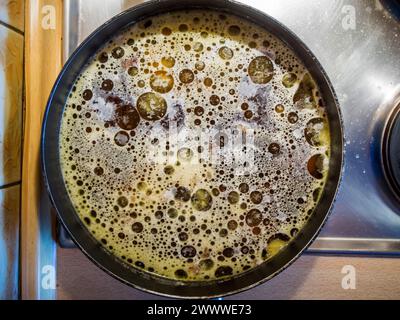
pixel 92 248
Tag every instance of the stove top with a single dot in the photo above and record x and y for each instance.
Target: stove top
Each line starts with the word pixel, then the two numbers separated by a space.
pixel 358 44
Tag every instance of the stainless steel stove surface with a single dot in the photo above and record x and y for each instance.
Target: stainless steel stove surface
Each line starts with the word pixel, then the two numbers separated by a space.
pixel 358 44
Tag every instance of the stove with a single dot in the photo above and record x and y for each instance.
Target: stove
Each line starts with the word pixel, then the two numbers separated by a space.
pixel 358 44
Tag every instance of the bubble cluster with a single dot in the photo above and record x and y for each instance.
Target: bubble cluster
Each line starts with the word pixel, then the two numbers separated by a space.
pixel 192 218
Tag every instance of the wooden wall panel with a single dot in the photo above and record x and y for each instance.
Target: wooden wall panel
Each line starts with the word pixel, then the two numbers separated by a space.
pixel 43 56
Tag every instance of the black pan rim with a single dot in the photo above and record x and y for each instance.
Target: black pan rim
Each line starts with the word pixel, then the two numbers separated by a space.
pixel 386 158
pixel 222 287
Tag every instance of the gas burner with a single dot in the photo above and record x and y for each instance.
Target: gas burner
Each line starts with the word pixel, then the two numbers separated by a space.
pixel 391 151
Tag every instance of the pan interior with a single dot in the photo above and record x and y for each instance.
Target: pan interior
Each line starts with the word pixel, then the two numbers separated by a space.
pixel 194 145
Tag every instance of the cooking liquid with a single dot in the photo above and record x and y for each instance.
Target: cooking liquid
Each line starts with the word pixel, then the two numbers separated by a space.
pixel 137 166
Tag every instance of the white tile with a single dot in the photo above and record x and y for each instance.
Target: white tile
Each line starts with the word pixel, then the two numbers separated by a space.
pixel 11 84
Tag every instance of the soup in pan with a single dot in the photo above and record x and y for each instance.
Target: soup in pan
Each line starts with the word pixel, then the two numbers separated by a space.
pixel 194 145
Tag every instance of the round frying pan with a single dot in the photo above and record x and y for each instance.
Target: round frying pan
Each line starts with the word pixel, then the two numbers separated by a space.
pixel 79 233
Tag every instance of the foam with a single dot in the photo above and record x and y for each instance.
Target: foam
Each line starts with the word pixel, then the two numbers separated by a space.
pixel 168 207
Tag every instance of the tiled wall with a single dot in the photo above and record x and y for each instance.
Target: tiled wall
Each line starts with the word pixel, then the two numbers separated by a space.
pixel 11 117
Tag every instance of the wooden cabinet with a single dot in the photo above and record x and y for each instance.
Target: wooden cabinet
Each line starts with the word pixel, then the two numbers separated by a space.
pixel 43 56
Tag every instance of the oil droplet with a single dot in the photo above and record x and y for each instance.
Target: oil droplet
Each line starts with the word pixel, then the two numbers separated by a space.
pixel 182 194
pixel 161 82
pixel 314 131
pixel 233 197
pixel 183 28
pixel 208 82
pixel 276 243
pixel 202 200
pixel 253 218
pixel 87 94
pixel 168 62
pixel 279 108
pixel 186 76
pixel 261 70
pixel 118 52
pixel 225 53
pixel 198 47
pixel 107 85
pixel 315 166
pixel 133 71
pixel 151 106
pixel 127 117
pixel 274 148
pixel 293 117
pixel 200 65
pixel 289 80
pixel 166 31
pixel 137 227
pixel 256 197
pixel 121 138
pixel 234 30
